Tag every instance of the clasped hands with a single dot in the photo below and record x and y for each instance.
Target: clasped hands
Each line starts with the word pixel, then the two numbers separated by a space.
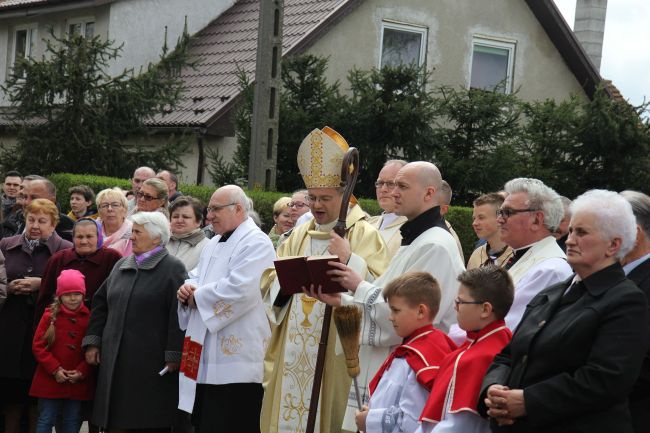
pixel 505 404
pixel 23 286
pixel 185 295
pixel 62 375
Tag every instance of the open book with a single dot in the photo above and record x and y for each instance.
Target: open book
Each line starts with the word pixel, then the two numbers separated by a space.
pixel 296 272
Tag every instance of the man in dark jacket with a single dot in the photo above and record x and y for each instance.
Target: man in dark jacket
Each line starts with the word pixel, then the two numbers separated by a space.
pixel 636 265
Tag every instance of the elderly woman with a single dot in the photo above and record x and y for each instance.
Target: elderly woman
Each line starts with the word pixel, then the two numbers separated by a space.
pixel 152 197
pixel 281 218
pixel 26 256
pixel 87 256
pixel 187 240
pixel 116 229
pixel 133 333
pixel 579 346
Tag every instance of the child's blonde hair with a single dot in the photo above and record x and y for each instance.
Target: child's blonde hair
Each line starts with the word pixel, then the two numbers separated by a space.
pixel 50 333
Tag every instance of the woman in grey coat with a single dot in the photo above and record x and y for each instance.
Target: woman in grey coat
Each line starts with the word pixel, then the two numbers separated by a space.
pixel 133 334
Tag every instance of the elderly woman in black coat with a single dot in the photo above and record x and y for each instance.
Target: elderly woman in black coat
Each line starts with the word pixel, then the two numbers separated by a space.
pixel 133 334
pixel 579 347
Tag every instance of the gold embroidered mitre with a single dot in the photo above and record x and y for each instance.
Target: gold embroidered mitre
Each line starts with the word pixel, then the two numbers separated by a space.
pixel 320 157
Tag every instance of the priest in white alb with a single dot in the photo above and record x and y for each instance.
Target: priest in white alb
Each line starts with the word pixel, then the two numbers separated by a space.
pixel 297 320
pixel 426 246
pixel 226 329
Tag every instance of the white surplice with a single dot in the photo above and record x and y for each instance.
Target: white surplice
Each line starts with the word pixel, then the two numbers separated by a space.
pixel 543 265
pixel 229 321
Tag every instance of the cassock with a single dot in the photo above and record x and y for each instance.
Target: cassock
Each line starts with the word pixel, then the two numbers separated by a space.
pixel 226 335
pixel 297 322
pixel 428 247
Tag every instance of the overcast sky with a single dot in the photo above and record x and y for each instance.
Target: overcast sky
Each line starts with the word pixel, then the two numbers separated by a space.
pixel 626 56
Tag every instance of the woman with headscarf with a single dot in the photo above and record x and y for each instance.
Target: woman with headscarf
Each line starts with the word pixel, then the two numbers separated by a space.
pixel 579 347
pixel 86 256
pixel 116 228
pixel 134 334
pixel 187 240
pixel 26 256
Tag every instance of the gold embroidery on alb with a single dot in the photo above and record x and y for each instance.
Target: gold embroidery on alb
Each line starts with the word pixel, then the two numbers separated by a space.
pixel 222 307
pixel 230 345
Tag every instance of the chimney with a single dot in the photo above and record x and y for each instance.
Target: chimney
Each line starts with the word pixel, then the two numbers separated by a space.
pixel 589 27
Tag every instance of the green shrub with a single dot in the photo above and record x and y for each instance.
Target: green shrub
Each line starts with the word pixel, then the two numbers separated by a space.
pixel 459 217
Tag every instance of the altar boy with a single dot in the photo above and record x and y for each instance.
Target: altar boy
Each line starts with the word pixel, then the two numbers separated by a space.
pixel 484 298
pixel 401 386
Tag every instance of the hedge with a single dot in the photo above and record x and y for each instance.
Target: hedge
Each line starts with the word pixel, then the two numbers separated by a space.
pixel 459 217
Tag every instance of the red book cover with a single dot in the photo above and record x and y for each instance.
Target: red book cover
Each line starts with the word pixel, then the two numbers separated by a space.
pixel 296 272
pixel 318 267
pixel 292 274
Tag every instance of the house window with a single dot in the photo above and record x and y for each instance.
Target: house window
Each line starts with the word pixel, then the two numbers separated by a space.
pixel 402 44
pixel 82 26
pixel 492 65
pixel 24 43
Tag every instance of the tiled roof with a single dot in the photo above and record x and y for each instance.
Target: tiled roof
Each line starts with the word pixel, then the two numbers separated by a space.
pixel 8 5
pixel 229 43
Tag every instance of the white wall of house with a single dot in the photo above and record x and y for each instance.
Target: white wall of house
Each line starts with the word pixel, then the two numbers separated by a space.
pixel 539 72
pixel 140 25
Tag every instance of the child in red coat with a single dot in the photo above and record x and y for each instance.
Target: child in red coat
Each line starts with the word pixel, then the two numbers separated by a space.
pixel 63 378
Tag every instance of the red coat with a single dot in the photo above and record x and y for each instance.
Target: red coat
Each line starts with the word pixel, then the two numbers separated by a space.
pixel 66 352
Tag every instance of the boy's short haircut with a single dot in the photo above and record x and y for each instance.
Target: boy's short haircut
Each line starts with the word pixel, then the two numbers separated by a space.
pixel 490 284
pixel 493 198
pixel 416 288
pixel 84 191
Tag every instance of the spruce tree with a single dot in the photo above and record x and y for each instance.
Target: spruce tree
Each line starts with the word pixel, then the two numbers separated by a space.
pixel 72 116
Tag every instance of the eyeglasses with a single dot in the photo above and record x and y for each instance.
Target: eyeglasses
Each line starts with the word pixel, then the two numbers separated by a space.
pixel 219 207
pixel 145 197
pixel 297 205
pixel 388 183
pixel 507 213
pixel 459 301
pixel 110 205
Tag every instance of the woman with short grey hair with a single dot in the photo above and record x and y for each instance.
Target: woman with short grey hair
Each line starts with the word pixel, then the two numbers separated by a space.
pixel 134 331
pixel 578 350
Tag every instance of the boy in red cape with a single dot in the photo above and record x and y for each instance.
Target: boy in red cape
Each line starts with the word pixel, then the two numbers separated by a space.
pixel 484 298
pixel 401 386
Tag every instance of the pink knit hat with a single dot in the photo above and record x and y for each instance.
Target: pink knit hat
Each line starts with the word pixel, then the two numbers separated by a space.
pixel 70 281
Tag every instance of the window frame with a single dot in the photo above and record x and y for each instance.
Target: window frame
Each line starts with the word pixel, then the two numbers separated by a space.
pixel 83 20
pixel 404 27
pixel 30 42
pixel 509 45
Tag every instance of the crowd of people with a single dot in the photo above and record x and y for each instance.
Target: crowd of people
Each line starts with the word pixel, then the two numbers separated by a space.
pixel 158 314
